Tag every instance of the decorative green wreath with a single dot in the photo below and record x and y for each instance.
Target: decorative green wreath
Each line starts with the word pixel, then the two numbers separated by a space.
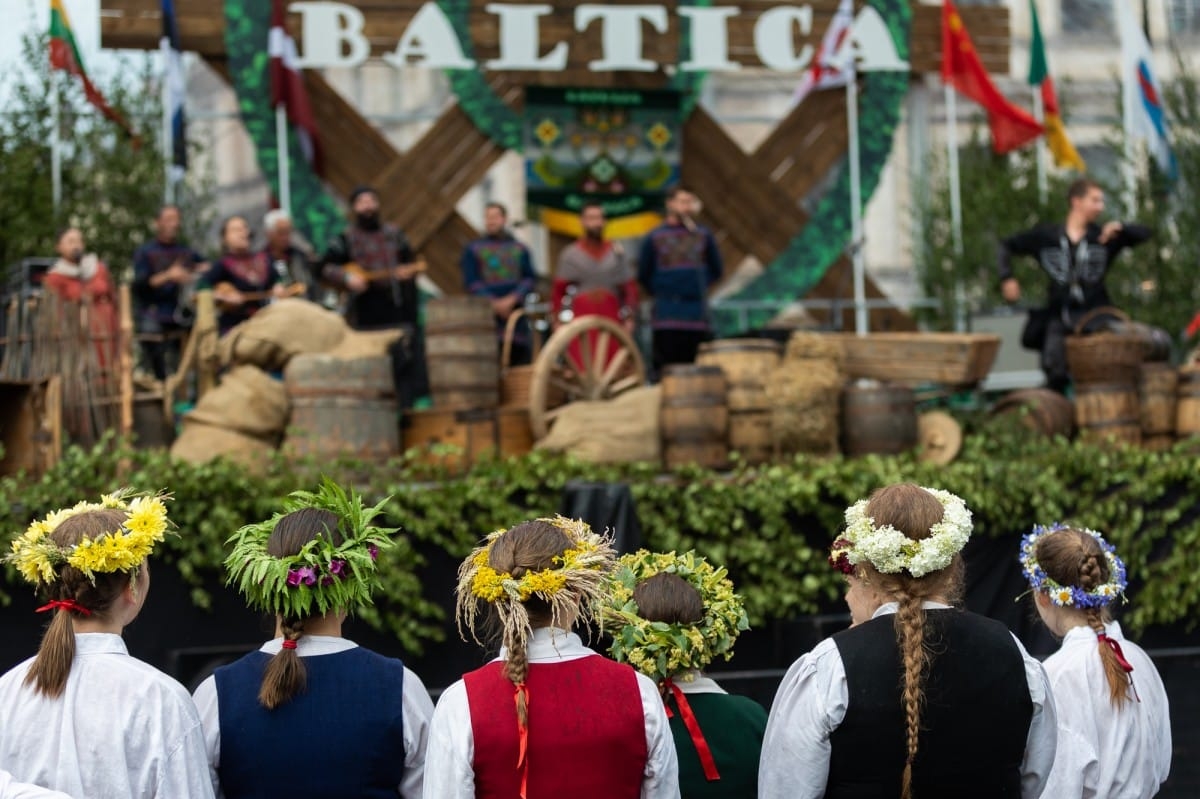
pixel 660 650
pixel 323 575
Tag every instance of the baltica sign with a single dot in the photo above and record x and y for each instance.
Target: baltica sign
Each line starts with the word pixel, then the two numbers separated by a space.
pixel 333 37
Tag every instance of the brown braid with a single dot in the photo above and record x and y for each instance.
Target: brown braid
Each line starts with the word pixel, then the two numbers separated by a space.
pixel 285 675
pixel 910 636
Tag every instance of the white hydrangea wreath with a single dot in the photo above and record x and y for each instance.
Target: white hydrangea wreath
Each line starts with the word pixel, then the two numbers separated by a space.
pixel 891 551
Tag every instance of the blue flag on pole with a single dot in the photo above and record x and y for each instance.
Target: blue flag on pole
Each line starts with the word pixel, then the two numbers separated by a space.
pixel 1145 117
pixel 175 88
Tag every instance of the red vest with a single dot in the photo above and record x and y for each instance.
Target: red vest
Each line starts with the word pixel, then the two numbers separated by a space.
pixel 587 734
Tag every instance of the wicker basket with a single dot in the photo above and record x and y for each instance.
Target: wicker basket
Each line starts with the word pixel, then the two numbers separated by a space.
pixel 515 380
pixel 1106 357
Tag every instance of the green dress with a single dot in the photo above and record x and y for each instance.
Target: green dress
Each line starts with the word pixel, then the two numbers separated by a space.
pixel 733 726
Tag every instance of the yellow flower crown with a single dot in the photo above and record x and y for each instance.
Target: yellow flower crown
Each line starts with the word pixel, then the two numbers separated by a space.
pixel 38 558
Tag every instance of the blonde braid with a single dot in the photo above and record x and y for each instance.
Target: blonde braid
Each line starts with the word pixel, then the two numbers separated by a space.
pixel 910 639
pixel 516 669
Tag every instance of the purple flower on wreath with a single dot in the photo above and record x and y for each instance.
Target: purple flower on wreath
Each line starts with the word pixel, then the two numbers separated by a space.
pixel 327 580
pixel 293 578
pixel 373 551
pixel 338 568
pixel 304 575
pixel 839 556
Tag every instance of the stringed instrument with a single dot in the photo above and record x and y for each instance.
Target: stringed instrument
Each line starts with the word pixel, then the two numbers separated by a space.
pixel 224 287
pixel 376 275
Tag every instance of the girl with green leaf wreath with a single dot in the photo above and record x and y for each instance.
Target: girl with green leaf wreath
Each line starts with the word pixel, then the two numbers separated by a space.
pixel 671 615
pixel 549 718
pixel 309 566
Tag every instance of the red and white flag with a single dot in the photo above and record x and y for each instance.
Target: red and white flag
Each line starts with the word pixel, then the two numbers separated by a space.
pixel 824 73
pixel 287 86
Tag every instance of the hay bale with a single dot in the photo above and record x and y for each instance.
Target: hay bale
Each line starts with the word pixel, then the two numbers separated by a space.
pixel 814 346
pixel 248 400
pixel 620 430
pixel 279 331
pixel 200 443
pixel 804 395
pixel 359 344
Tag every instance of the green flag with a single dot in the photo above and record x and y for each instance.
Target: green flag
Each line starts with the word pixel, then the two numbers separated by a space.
pixel 1037 50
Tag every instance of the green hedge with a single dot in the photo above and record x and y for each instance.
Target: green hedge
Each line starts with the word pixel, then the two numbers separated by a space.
pixel 770 525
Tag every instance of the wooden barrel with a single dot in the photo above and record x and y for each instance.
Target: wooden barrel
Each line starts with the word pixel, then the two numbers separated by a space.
pixel 1108 411
pixel 1158 443
pixel 461 353
pixel 456 439
pixel 747 363
pixel 342 407
pixel 878 417
pixel 1043 411
pixel 1157 384
pixel 750 435
pixel 1187 407
pixel 693 419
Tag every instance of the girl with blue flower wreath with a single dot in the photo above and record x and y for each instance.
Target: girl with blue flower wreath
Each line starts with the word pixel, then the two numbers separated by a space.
pixel 1114 729
pixel 362 718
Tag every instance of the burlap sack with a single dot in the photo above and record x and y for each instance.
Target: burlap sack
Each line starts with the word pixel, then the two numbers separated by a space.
pixel 804 395
pixel 357 344
pixel 201 443
pixel 282 329
pixel 247 400
pixel 620 430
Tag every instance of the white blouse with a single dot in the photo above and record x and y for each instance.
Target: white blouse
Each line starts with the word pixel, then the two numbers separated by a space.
pixel 9 789
pixel 448 770
pixel 416 708
pixel 120 728
pixel 811 704
pixel 1104 752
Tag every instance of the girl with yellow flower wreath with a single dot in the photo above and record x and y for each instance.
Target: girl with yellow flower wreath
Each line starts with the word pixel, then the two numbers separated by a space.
pixel 548 718
pixel 82 716
pixel 671 615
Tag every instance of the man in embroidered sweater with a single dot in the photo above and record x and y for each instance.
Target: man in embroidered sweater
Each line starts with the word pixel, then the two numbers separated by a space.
pixel 499 267
pixel 594 276
pixel 1076 257
pixel 678 264
pixel 161 269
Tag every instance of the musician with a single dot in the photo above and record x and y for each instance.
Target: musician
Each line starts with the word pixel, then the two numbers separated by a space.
pixel 499 267
pixel 162 269
pixel 1076 257
pixel 293 263
pixel 374 263
pixel 594 275
pixel 80 277
pixel 679 262
pixel 242 280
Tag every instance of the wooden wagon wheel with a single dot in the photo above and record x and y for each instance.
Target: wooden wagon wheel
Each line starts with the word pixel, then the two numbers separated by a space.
pixel 589 358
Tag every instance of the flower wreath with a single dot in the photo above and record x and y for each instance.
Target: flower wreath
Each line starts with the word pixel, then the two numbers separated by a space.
pixel 661 650
pixel 891 551
pixel 38 558
pixel 323 575
pixel 575 582
pixel 1072 595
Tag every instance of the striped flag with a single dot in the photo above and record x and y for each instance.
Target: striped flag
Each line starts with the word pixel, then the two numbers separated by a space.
pixel 174 90
pixel 1064 152
pixel 1145 117
pixel 822 73
pixel 64 55
pixel 287 86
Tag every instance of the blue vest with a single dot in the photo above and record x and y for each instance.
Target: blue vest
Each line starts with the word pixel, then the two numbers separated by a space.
pixel 343 737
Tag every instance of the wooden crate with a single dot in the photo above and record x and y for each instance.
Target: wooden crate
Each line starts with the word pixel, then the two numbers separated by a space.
pixel 471 435
pixel 955 359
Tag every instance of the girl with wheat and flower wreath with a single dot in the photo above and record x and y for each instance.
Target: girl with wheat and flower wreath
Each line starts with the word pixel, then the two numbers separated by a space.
pixel 917 698
pixel 670 616
pixel 548 718
pixel 83 717
pixel 1114 727
pixel 363 718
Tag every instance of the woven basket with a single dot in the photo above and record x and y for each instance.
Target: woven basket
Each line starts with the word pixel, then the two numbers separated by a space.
pixel 1104 357
pixel 515 380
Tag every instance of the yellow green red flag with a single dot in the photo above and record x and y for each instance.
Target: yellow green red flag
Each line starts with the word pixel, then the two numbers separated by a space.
pixel 64 55
pixel 1064 152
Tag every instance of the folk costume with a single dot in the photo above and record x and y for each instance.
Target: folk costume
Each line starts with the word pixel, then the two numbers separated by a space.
pixel 387 302
pixel 370 712
pixel 717 736
pixel 594 729
pixel 90 284
pixel 1103 751
pixel 159 309
pixel 11 789
pixel 1077 270
pixel 495 267
pixel 837 727
pixel 677 265
pixel 248 272
pixel 120 726
pixel 594 276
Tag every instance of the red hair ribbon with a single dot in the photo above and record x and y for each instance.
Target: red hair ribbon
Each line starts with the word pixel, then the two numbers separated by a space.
pixel 288 643
pixel 1116 648
pixel 64 604
pixel 693 727
pixel 522 692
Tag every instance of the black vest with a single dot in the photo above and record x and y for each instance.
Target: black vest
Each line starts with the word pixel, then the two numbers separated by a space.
pixel 973 725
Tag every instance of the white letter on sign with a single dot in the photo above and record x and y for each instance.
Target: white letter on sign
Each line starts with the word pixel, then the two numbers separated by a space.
pixel 519 39
pixel 773 38
pixel 429 40
pixel 326 28
pixel 622 37
pixel 710 39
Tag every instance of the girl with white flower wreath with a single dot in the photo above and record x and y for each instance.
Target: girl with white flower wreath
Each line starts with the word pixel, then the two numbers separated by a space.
pixel 83 717
pixel 917 698
pixel 1114 728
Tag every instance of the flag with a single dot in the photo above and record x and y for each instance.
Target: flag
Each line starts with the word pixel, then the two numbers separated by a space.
pixel 822 73
pixel 175 89
pixel 1064 152
pixel 287 86
pixel 1145 118
pixel 64 55
pixel 1012 127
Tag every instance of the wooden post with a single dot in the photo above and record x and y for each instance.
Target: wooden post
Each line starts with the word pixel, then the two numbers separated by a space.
pixel 125 357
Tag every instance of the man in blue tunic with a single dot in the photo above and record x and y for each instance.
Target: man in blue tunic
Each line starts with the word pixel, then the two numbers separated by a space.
pixel 499 267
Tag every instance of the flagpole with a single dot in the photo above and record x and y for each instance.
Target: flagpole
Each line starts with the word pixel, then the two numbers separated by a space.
pixel 1128 170
pixel 168 137
pixel 955 201
pixel 55 145
pixel 1039 113
pixel 861 318
pixel 281 148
